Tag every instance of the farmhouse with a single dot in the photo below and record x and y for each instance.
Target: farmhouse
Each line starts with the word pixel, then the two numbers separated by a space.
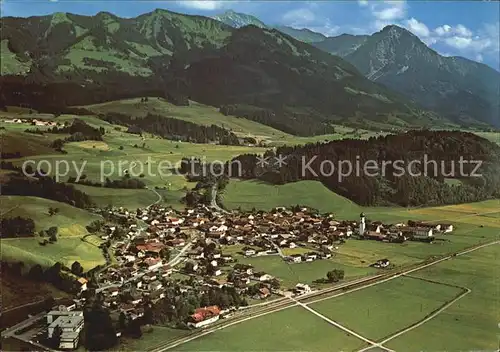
pixel 204 316
pixel 302 289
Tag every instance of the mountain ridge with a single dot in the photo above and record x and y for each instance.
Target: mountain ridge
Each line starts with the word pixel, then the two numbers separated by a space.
pixel 161 51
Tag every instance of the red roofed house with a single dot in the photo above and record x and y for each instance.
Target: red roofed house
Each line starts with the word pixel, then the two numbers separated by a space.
pixel 153 247
pixel 153 263
pixel 204 316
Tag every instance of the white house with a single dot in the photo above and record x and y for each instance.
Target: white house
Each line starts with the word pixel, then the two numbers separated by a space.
pixel 423 231
pixel 249 252
pixel 447 228
pixel 265 277
pixel 302 288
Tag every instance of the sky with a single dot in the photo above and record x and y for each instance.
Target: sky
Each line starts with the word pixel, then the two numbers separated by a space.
pixel 453 28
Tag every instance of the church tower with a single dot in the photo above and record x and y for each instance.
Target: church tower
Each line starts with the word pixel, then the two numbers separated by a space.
pixel 362 224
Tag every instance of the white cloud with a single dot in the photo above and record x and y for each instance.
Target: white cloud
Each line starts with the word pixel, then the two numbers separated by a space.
pixel 442 30
pixel 459 30
pixel 463 31
pixel 299 17
pixel 327 29
pixel 458 42
pixel 476 44
pixel 479 58
pixel 384 13
pixel 389 10
pixel 306 18
pixel 417 28
pixel 492 31
pixel 205 5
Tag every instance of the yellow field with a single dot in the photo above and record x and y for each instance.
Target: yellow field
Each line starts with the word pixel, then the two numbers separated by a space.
pixel 292 251
pixel 99 145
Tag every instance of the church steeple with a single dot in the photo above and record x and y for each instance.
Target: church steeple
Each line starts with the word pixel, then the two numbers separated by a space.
pixel 362 224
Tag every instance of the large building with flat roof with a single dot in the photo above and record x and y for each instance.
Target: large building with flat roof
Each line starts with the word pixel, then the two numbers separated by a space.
pixel 70 326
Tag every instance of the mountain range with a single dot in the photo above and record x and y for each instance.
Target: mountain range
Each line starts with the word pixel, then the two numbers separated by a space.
pixel 275 75
pixel 238 20
pixel 460 89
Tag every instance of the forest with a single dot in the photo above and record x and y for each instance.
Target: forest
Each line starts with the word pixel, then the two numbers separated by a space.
pixel 174 129
pixel 16 227
pixel 45 187
pixel 422 183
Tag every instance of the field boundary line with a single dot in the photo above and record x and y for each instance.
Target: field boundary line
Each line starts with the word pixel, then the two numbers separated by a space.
pixel 165 347
pixel 405 273
pixel 429 317
pixel 341 327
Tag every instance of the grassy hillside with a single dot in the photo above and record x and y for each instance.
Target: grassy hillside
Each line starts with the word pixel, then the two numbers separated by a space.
pixel 104 43
pixel 196 113
pixel 69 247
pixel 10 62
pixel 15 140
pixel 209 115
pixel 263 196
pixel 115 154
pixel 259 195
pixel 71 221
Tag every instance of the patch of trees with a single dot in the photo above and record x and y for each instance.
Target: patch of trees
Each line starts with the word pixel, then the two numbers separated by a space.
pixel 79 131
pixel 16 227
pixel 125 182
pixel 174 129
pixel 402 170
pixel 10 155
pixel 100 332
pixel 43 92
pixel 176 307
pixel 46 187
pixel 51 234
pixel 58 274
pixel 332 276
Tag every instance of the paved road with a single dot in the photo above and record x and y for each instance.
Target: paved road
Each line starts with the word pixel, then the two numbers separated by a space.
pixel 158 200
pixel 213 201
pixel 21 306
pixel 10 332
pixel 278 248
pixel 173 262
pixel 341 327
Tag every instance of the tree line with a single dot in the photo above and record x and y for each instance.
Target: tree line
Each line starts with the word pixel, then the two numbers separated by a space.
pixel 46 187
pixel 299 124
pixel 17 227
pixel 126 182
pixel 175 129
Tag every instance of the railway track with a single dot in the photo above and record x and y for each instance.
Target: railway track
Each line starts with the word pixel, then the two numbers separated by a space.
pixel 314 296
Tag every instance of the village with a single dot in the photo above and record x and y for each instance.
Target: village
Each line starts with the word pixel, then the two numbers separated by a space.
pixel 160 253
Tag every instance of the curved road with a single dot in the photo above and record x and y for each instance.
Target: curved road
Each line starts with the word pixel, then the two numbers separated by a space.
pixel 213 201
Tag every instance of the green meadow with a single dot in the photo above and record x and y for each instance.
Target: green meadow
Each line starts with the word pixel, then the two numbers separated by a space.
pixel 384 309
pixel 471 324
pixel 293 329
pixel 71 224
pixel 209 115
